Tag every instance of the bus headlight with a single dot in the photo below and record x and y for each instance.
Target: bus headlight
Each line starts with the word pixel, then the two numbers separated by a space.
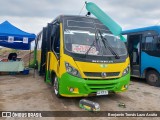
pixel 126 70
pixel 71 70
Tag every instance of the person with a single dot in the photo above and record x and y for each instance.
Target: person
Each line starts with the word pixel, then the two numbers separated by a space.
pixel 138 52
pixel 12 56
pixel 138 48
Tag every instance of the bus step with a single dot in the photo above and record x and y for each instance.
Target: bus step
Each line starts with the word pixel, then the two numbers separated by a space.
pixel 135 67
pixel 136 72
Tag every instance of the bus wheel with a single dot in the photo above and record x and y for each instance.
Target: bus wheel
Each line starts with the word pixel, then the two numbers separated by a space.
pixel 153 78
pixel 56 86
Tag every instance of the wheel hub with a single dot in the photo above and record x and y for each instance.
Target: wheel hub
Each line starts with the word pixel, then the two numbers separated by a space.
pixel 56 86
pixel 153 78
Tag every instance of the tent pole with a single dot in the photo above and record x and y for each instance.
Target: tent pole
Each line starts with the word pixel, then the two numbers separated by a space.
pixel 29 58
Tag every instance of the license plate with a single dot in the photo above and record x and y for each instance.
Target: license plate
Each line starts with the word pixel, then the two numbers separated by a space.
pixel 102 92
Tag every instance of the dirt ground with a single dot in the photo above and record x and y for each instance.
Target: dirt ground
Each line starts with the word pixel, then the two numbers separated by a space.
pixel 30 93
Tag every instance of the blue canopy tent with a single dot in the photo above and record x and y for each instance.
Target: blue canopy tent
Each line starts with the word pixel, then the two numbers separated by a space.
pixel 13 37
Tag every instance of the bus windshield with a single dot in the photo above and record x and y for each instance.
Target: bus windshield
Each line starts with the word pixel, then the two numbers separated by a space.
pixel 82 42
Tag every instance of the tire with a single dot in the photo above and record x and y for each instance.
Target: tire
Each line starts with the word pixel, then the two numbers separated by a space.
pixel 55 86
pixel 45 77
pixel 153 78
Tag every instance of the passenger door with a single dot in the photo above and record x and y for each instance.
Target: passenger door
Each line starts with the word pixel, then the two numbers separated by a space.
pixel 53 55
pixel 134 50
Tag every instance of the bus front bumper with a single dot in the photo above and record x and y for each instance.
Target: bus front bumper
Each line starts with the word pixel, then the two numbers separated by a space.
pixel 71 86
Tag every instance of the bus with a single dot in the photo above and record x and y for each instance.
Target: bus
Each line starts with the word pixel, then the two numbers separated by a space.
pixel 144 51
pixel 81 57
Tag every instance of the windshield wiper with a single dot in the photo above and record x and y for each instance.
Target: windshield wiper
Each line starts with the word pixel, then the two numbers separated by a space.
pixel 105 42
pixel 93 44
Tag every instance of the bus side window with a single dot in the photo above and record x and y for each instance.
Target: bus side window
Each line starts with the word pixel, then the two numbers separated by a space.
pixel 158 43
pixel 149 45
pixel 56 41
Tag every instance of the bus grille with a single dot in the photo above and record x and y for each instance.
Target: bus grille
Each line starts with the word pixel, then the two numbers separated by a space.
pixel 96 87
pixel 98 74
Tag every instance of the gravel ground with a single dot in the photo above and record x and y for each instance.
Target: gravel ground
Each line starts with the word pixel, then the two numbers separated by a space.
pixel 30 93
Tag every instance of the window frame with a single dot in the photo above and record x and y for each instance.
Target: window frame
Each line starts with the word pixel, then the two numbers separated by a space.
pixel 54 37
pixel 152 44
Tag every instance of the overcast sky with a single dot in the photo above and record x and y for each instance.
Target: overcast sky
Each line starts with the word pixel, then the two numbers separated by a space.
pixel 32 15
